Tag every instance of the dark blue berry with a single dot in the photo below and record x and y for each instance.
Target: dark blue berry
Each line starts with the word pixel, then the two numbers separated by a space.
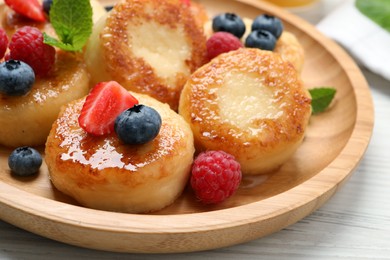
pixel 25 161
pixel 108 7
pixel 261 39
pixel 47 5
pixel 229 22
pixel 16 78
pixel 138 125
pixel 269 23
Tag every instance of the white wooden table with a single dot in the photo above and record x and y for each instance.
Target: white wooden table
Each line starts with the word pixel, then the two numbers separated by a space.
pixel 354 224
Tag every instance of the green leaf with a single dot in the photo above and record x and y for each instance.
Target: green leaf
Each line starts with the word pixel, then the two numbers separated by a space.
pixel 72 21
pixel 321 98
pixel 376 10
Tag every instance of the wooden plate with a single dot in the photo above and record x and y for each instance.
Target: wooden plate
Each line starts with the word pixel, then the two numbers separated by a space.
pixel 336 141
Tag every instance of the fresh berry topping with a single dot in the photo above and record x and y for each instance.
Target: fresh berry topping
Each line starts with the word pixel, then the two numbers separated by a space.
pixel 46 4
pixel 103 105
pixel 27 45
pixel 215 177
pixel 186 2
pixel 16 78
pixel 261 39
pixel 108 7
pixel 138 125
pixel 3 42
pixel 221 42
pixel 29 8
pixel 25 161
pixel 7 56
pixel 229 22
pixel 269 23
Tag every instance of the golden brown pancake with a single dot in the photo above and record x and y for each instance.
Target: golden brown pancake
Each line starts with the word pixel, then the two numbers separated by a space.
pixel 27 120
pixel 249 103
pixel 106 174
pixel 148 46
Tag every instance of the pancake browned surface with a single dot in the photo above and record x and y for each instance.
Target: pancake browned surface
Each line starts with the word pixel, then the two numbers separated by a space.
pixel 27 120
pixel 249 103
pixel 103 173
pixel 148 46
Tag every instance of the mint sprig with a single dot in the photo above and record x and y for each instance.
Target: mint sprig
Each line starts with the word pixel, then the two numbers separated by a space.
pixel 321 98
pixel 72 22
pixel 377 10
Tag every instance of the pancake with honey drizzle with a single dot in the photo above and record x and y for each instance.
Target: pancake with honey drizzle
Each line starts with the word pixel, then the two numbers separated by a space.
pixel 148 46
pixel 27 120
pixel 249 103
pixel 106 174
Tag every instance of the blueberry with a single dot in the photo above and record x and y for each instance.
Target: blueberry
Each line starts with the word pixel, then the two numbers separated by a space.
pixel 25 161
pixel 261 39
pixel 16 78
pixel 229 22
pixel 108 7
pixel 47 5
pixel 138 125
pixel 269 23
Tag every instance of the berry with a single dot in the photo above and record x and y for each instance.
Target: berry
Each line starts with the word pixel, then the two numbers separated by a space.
pixel 102 106
pixel 261 39
pixel 138 125
pixel 221 42
pixel 215 177
pixel 25 161
pixel 47 6
pixel 3 42
pixel 16 78
pixel 186 2
pixel 229 22
pixel 269 23
pixel 29 8
pixel 27 45
pixel 108 7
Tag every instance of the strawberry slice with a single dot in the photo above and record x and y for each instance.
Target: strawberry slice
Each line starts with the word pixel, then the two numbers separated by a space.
pixel 103 105
pixel 29 8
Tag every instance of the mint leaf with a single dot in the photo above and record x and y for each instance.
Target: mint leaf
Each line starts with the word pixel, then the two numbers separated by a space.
pixel 72 21
pixel 377 10
pixel 321 98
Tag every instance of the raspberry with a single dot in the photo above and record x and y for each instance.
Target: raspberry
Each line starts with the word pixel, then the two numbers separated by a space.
pixel 3 42
pixel 27 45
pixel 222 42
pixel 215 177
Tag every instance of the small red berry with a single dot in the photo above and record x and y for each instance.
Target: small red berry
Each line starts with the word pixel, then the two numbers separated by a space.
pixel 103 105
pixel 27 45
pixel 215 177
pixel 221 42
pixel 186 2
pixel 28 8
pixel 3 42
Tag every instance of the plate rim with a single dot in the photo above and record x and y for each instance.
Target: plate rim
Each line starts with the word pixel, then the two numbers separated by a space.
pixel 34 207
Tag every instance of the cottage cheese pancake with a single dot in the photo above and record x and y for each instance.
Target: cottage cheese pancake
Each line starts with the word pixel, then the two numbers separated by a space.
pixel 249 103
pixel 148 46
pixel 104 173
